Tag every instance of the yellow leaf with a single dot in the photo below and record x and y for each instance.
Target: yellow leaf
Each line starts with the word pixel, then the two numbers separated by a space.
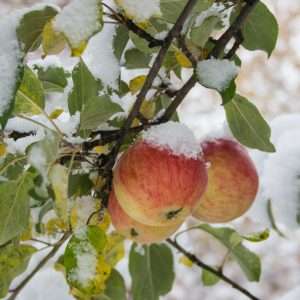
pixel 114 250
pixel 137 83
pixel 27 234
pixel 182 59
pixel 79 50
pixel 148 109
pixel 101 149
pixel 186 261
pixel 56 113
pixel 52 42
pixel 3 150
pixel 58 177
pixel 54 226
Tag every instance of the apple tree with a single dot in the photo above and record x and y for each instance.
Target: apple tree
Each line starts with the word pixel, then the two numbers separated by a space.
pixel 93 156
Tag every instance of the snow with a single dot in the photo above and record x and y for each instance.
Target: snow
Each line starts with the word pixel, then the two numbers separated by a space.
pixel 216 73
pixel 141 10
pixel 176 137
pixel 79 20
pixel 213 11
pixel 85 206
pixel 100 59
pixel 10 58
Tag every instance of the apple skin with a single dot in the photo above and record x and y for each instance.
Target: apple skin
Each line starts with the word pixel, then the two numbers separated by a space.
pixel 156 187
pixel 134 230
pixel 232 182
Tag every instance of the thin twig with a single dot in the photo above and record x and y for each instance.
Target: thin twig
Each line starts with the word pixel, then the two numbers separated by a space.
pixel 42 263
pixel 206 267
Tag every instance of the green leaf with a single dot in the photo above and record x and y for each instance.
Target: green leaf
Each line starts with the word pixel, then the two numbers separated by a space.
pixel 200 34
pixel 120 41
pixel 115 286
pixel 162 102
pixel 209 278
pixel 85 87
pixel 54 79
pixel 97 111
pixel 229 93
pixel 136 59
pixel 14 260
pixel 151 269
pixel 30 97
pixel 248 261
pixel 257 236
pixel 260 30
pixel 31 27
pixel 247 124
pixel 79 185
pixel 142 44
pixel 171 9
pixel 14 207
pixel 43 154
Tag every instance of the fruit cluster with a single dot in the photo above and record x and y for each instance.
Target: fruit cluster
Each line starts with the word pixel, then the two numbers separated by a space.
pixel 158 184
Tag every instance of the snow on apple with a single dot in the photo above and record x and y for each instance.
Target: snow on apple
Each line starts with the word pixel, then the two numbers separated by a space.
pixel 157 181
pixel 216 73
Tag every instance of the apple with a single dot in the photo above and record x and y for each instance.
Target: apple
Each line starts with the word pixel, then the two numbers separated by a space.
pixel 156 186
pixel 232 182
pixel 134 230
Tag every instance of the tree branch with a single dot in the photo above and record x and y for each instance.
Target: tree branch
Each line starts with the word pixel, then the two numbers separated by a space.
pixel 206 267
pixel 42 263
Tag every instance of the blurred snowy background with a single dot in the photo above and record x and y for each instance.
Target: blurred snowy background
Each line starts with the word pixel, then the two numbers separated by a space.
pixel 274 85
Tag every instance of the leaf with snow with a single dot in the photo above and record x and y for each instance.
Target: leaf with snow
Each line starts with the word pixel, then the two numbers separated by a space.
pixel 140 11
pixel 247 124
pixel 31 27
pixel 30 97
pixel 11 59
pixel 79 21
pixel 14 259
pixel 97 111
pixel 101 59
pixel 14 206
pixel 216 73
pixel 86 268
pixel 248 261
pixel 44 153
pixel 152 271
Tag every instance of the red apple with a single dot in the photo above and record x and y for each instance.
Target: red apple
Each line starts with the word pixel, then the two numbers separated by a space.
pixel 134 230
pixel 156 186
pixel 232 182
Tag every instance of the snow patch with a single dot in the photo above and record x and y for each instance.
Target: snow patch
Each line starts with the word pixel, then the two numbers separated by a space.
pixel 216 73
pixel 175 137
pixel 141 10
pixel 79 20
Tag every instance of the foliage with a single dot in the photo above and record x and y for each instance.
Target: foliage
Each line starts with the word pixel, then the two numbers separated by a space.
pixel 60 165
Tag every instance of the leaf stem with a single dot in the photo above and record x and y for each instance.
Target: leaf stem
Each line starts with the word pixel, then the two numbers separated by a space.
pixel 206 267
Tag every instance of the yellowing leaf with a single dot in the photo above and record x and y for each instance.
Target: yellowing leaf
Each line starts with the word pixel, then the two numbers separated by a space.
pixel 55 225
pixel 101 149
pixel 183 60
pixel 137 83
pixel 53 42
pixel 27 234
pixel 58 177
pixel 148 109
pixel 79 50
pixel 56 113
pixel 2 150
pixel 186 261
pixel 114 249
